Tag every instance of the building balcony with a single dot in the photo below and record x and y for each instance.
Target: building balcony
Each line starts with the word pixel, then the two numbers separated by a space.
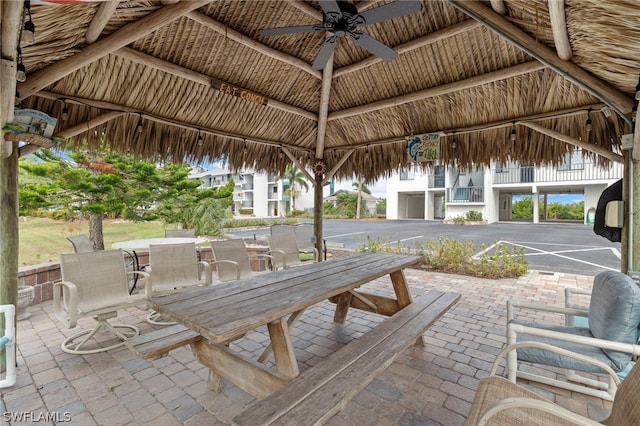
pixel 575 172
pixel 470 194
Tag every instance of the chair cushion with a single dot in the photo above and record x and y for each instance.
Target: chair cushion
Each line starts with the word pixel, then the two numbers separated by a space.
pixel 614 311
pixel 541 356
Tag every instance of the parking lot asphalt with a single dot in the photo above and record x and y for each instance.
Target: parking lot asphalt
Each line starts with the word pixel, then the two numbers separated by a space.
pixel 550 246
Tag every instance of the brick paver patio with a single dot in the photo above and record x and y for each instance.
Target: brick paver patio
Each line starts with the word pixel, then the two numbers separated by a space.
pixel 425 386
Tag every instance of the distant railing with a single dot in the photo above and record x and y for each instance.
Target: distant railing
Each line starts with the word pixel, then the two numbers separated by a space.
pixel 436 181
pixel 472 194
pixel 577 172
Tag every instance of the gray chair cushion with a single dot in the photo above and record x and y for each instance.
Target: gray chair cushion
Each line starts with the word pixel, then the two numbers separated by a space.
pixel 614 311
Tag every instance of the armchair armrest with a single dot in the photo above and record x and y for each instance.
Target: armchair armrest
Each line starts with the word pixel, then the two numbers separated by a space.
pixel 229 262
pixel 267 256
pixel 551 348
pixel 280 254
pixel 65 308
pixel 148 286
pixel 208 275
pixel 546 406
pixel 513 304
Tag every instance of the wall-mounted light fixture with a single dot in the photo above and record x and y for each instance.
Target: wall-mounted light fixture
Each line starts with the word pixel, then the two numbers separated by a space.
pixel 454 141
pixel 513 132
pixel 65 111
pixel 200 139
pixel 588 126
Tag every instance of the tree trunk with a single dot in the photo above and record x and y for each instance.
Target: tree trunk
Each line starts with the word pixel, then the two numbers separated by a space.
pixel 95 231
pixel 358 203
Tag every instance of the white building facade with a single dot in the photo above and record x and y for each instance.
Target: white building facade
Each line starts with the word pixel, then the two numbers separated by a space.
pixel 449 192
pixel 258 194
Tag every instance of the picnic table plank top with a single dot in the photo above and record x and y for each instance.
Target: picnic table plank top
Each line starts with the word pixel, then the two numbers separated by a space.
pixel 225 311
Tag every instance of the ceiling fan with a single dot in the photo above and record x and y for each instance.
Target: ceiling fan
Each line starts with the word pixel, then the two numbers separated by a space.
pixel 341 18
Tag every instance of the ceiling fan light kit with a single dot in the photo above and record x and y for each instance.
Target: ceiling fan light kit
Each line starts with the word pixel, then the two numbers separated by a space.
pixel 340 18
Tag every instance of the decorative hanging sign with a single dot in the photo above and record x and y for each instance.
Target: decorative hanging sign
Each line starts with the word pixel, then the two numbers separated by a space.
pixel 424 147
pixel 239 92
pixel 34 121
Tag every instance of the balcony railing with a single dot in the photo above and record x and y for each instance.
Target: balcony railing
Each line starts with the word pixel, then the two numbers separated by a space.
pixel 471 194
pixel 436 181
pixel 578 172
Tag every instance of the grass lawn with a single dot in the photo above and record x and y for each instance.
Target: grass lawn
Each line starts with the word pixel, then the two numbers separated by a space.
pixel 42 240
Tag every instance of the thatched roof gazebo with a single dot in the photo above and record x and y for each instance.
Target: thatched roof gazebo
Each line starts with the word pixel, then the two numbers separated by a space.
pixel 198 80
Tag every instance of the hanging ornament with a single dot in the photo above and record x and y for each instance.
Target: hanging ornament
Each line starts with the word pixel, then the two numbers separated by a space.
pixel 319 168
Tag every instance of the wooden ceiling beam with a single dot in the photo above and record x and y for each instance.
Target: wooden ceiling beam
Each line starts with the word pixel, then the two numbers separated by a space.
pixel 182 72
pixel 100 20
pixel 484 126
pixel 323 110
pixel 240 38
pixel 525 68
pixel 307 9
pixel 600 150
pixel 559 29
pixel 120 38
pixel 617 100
pixel 418 43
pixel 88 125
pixel 164 120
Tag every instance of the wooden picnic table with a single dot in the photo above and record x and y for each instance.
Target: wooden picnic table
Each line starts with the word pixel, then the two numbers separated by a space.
pixel 225 312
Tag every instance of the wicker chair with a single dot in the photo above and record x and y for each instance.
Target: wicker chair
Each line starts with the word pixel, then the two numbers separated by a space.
pixel 94 284
pixel 232 261
pixel 285 251
pixel 173 268
pixel 499 402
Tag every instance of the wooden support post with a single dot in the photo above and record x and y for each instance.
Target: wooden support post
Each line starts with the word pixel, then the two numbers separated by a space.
pixel 342 307
pixel 317 215
pixel 283 350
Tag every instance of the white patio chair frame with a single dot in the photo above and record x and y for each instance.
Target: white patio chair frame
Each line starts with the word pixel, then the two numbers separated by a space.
pixel 583 385
pixel 174 268
pixel 232 259
pixel 180 233
pixel 94 284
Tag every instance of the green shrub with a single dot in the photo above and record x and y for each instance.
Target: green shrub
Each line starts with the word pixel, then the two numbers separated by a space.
pixel 256 223
pixel 473 216
pixel 245 211
pixel 459 220
pixel 457 257
pixel 295 213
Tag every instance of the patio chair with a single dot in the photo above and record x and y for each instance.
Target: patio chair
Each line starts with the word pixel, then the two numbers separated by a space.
pixel 81 243
pixel 232 260
pixel 611 336
pixel 180 233
pixel 173 268
pixel 499 402
pixel 94 284
pixel 285 251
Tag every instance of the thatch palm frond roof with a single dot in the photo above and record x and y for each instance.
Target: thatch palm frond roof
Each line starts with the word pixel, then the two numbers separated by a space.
pixel 207 86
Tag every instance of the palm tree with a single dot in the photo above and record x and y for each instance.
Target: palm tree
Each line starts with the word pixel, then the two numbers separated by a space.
pixel 362 187
pixel 296 179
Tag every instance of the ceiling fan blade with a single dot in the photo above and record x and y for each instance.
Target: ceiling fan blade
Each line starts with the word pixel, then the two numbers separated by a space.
pixel 325 53
pixel 289 30
pixel 379 49
pixel 390 11
pixel 330 6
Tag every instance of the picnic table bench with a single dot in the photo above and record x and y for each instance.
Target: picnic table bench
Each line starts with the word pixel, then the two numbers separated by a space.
pixel 323 390
pixel 210 318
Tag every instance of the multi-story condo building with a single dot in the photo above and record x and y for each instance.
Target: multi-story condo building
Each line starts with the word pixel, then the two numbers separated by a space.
pixel 259 193
pixel 449 192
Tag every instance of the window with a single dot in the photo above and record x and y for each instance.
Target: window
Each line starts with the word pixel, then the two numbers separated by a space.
pixel 572 161
pixel 407 174
pixel 275 189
